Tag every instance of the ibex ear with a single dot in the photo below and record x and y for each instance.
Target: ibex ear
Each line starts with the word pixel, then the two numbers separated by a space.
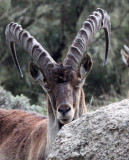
pixel 86 66
pixel 35 72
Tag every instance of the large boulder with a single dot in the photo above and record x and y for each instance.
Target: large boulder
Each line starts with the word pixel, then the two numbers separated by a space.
pixel 99 135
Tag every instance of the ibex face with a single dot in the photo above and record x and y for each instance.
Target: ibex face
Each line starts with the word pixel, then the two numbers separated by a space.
pixel 63 86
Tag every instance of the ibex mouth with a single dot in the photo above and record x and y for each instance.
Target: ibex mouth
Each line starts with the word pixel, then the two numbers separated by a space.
pixel 65 121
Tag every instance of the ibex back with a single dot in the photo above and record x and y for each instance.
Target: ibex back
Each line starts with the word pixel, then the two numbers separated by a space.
pixel 27 136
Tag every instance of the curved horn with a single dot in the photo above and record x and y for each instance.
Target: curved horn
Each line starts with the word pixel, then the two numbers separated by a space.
pixel 98 20
pixel 126 49
pixel 15 34
pixel 124 56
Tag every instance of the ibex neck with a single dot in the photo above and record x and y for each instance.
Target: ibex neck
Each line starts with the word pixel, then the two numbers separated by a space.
pixel 81 109
pixel 53 126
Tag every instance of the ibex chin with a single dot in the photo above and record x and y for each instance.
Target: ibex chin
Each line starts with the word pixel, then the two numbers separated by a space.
pixel 27 136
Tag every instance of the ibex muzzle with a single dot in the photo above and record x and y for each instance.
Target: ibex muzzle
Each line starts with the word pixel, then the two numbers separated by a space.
pixel 64 102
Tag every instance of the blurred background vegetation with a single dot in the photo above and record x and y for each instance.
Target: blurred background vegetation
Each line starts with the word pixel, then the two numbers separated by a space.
pixel 55 24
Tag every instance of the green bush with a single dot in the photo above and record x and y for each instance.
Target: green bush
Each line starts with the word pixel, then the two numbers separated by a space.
pixel 8 101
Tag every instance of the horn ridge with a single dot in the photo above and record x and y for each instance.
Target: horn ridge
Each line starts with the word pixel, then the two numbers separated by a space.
pixel 126 49
pixel 15 34
pixel 98 20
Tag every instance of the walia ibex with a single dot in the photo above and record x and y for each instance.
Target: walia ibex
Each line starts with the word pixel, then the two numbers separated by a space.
pixel 27 136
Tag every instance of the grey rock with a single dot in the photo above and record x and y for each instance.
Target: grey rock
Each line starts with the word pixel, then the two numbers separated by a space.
pixel 99 135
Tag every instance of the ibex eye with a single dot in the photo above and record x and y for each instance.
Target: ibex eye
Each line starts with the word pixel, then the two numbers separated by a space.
pixel 46 86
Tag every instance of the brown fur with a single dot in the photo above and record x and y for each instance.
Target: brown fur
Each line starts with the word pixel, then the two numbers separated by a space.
pixel 22 135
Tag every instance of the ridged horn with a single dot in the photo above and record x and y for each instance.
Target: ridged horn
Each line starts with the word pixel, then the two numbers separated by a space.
pixel 126 49
pixel 98 20
pixel 15 34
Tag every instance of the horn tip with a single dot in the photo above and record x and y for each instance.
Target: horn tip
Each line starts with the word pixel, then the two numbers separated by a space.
pixel 21 75
pixel 104 63
pixel 20 72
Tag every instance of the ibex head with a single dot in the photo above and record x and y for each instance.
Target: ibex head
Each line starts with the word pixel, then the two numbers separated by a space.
pixel 62 82
pixel 125 55
pixel 63 86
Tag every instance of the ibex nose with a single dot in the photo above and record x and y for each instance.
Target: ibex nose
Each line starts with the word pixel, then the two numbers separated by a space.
pixel 64 108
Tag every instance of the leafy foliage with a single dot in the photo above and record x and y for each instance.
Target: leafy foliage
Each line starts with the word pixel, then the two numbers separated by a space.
pixel 8 101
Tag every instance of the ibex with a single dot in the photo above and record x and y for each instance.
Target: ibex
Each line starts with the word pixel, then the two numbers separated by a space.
pixel 27 136
pixel 125 55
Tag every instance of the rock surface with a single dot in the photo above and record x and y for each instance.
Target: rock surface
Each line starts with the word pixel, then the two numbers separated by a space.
pixel 99 135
